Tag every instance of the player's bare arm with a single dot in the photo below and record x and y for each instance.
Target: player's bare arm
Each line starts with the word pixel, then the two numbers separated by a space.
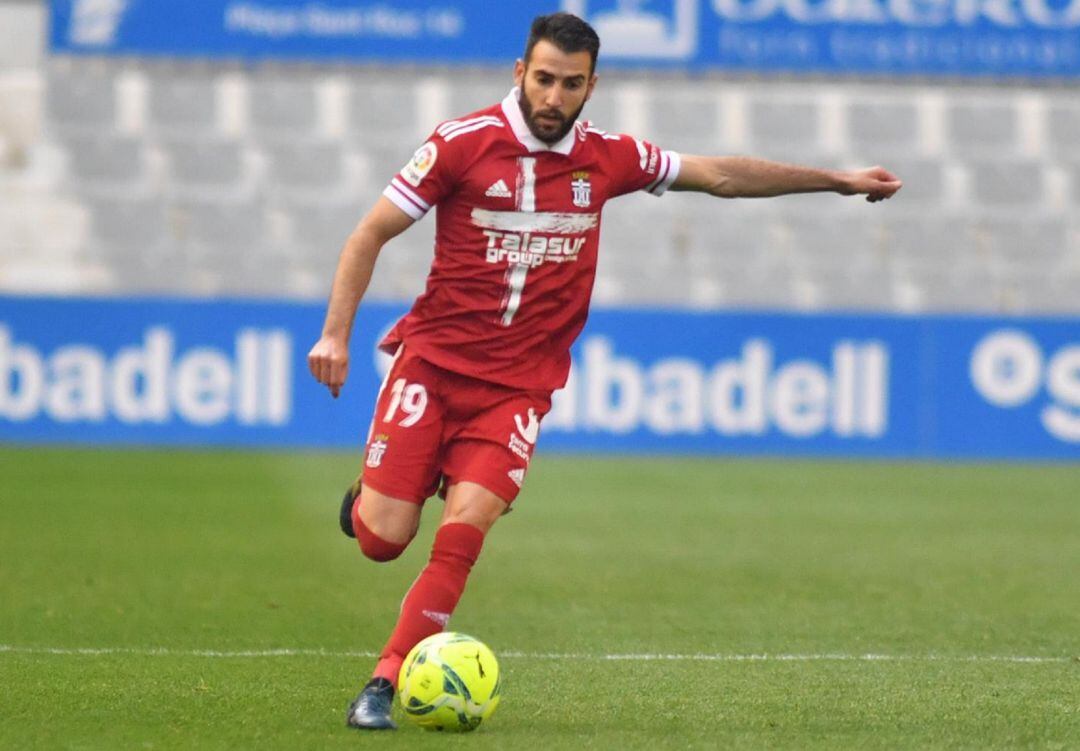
pixel 747 177
pixel 328 360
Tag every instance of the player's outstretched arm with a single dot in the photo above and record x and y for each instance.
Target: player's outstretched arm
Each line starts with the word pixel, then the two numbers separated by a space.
pixel 328 360
pixel 746 177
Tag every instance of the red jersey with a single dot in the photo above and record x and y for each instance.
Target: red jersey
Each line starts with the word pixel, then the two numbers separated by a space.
pixel 516 234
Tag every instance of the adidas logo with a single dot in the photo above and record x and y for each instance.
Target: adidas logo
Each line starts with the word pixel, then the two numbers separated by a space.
pixel 517 475
pixel 498 189
pixel 441 618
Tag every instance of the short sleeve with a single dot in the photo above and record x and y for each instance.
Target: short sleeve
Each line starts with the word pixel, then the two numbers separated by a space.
pixel 639 165
pixel 426 179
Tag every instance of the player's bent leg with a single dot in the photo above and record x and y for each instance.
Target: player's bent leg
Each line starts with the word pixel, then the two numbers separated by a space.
pixel 383 526
pixel 471 503
pixel 470 512
pixel 345 518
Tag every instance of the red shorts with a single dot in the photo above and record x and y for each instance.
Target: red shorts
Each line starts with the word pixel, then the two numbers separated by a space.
pixel 432 425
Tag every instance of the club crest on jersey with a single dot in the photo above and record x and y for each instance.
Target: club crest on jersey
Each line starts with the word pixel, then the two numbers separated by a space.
pixel 376 450
pixel 582 189
pixel 421 163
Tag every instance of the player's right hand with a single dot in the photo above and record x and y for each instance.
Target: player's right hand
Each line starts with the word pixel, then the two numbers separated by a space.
pixel 328 361
pixel 876 183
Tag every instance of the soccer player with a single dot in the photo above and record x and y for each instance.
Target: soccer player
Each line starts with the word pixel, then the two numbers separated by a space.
pixel 519 188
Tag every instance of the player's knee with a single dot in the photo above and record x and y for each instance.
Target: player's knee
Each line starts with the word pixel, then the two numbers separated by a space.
pixel 376 546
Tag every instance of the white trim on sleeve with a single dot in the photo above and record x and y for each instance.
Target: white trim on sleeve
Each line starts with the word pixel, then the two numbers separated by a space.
pixel 402 201
pixel 667 172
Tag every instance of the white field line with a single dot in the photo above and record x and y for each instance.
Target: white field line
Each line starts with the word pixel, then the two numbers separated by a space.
pixel 554 656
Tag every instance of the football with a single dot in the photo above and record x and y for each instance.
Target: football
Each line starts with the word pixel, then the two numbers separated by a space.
pixel 450 682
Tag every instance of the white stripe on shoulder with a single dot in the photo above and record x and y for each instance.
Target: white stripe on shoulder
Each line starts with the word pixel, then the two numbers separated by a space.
pixel 603 134
pixel 470 128
pixel 410 194
pixel 451 125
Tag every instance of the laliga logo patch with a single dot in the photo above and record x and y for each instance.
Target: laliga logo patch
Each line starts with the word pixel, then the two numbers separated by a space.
pixel 421 163
pixel 582 190
pixel 377 450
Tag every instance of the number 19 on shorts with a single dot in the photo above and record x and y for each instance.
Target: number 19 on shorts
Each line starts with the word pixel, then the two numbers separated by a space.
pixel 411 399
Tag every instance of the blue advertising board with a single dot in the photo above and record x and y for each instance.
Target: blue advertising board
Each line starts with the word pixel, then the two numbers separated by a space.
pixel 1024 38
pixel 235 373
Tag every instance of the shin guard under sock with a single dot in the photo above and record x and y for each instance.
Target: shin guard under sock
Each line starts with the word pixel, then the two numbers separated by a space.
pixel 433 596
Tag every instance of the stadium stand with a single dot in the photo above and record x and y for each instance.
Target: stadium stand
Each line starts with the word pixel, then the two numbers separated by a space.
pixel 193 178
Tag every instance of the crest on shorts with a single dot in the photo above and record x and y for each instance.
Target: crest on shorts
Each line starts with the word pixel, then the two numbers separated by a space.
pixel 376 450
pixel 582 189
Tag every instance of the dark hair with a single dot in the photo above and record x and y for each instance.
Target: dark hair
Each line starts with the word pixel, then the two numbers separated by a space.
pixel 567 32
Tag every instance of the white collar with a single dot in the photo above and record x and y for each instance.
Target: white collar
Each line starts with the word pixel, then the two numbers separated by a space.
pixel 511 107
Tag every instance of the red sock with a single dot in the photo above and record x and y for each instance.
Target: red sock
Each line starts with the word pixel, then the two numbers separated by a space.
pixel 433 596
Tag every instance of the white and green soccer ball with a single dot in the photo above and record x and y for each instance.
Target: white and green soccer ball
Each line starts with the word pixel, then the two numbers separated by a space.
pixel 449 681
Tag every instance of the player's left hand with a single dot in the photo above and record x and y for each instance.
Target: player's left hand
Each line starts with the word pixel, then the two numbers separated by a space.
pixel 876 183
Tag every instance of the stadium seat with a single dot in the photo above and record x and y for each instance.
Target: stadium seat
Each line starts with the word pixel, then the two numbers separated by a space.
pixel 468 91
pixel 382 164
pixel 684 118
pixel 182 101
pixel 784 128
pixel 1072 171
pixel 754 288
pixel 383 112
pixel 1007 184
pixel 884 126
pixel 835 240
pixel 917 246
pixel 1063 128
pixel 283 105
pixel 107 164
pixel 989 127
pixel 966 286
pixel 1054 294
pixel 80 98
pixel 199 167
pixel 865 286
pixel 636 233
pixel 223 244
pixel 134 237
pixel 1017 243
pixel 315 168
pixel 318 230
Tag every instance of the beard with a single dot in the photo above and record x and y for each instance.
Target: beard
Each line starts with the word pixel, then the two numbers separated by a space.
pixel 545 133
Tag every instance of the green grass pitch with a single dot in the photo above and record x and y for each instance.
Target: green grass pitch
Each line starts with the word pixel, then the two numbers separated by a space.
pixel 182 599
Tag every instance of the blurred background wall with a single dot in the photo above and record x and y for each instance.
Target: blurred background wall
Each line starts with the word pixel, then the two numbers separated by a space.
pixel 201 177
